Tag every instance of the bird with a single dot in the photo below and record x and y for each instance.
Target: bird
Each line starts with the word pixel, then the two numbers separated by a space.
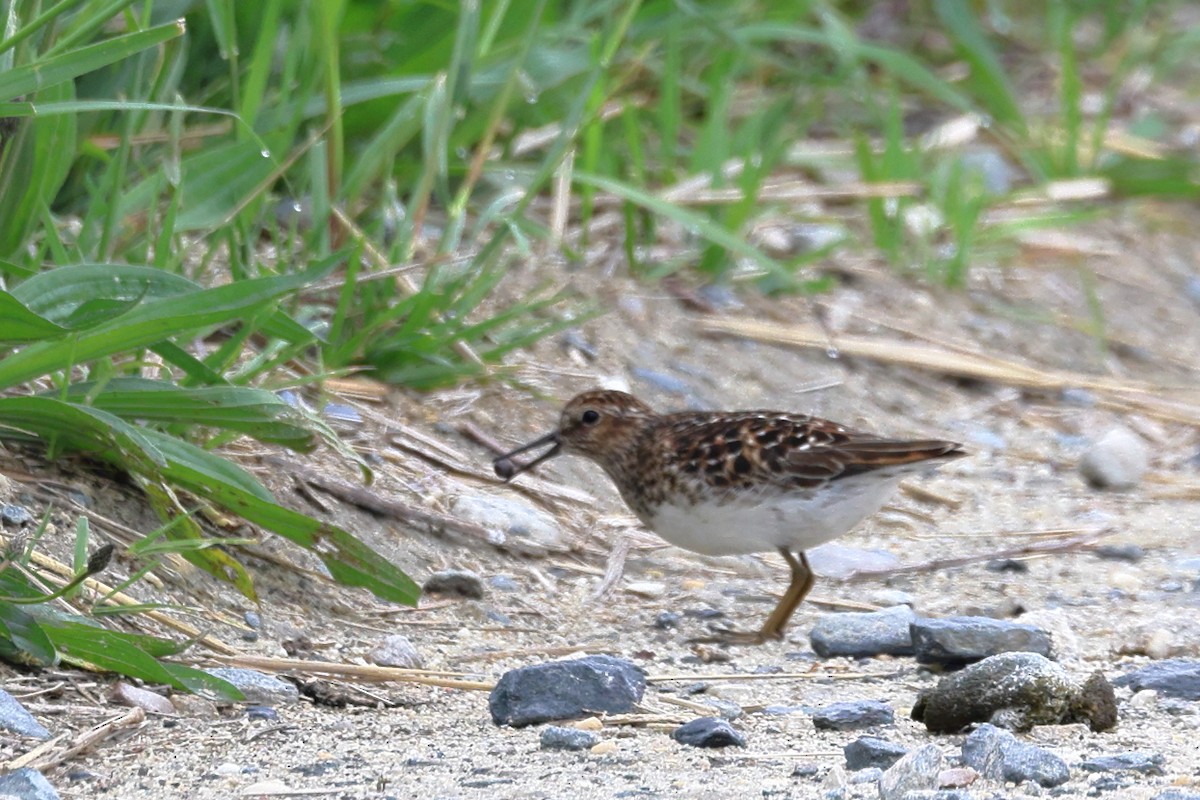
pixel 736 482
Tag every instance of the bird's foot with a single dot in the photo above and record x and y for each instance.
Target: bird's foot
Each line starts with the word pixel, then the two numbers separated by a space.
pixel 729 636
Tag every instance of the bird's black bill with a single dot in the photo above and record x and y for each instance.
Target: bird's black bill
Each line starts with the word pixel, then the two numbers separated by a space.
pixel 508 469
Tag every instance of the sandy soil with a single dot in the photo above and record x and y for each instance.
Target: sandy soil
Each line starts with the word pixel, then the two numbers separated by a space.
pixel 1019 486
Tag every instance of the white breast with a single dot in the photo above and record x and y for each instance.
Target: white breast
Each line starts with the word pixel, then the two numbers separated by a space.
pixel 756 524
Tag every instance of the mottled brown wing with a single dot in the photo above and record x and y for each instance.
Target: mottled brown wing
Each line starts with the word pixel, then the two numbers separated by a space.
pixel 769 448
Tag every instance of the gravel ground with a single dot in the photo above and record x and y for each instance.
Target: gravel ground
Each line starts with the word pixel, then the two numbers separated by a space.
pixel 1111 611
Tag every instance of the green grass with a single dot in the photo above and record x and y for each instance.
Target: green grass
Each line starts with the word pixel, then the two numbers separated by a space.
pixel 150 170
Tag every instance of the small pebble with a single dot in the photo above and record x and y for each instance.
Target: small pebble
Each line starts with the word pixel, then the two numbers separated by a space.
pixel 1121 552
pixel 605 748
pixel 459 582
pixel 870 751
pixel 1117 460
pixel 15 516
pixel 666 620
pixel 957 777
pixel 708 732
pixel 262 713
pixel 1145 763
pixel 648 589
pixel 152 702
pixel 257 686
pixel 396 650
pixel 503 583
pixel 1006 565
pixel 725 709
pixel 853 715
pixel 554 737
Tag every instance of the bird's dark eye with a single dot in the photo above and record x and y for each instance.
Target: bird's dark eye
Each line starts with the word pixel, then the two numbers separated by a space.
pixel 590 417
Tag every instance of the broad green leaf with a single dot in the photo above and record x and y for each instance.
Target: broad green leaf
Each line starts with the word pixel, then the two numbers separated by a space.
pixel 151 322
pixel 19 324
pixel 225 484
pixel 255 412
pixel 22 640
pixel 89 429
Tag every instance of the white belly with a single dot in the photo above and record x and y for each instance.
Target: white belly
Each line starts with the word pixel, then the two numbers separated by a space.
pixel 797 521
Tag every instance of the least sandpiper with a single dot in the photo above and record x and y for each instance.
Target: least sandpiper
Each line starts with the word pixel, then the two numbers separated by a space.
pixel 727 483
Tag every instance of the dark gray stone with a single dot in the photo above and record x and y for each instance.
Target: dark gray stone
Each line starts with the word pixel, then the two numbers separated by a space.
pixel 853 715
pixel 27 784
pixel 455 581
pixel 938 794
pixel 558 738
pixel 708 732
pixel 1176 794
pixel 570 689
pixel 864 634
pixel 997 754
pixel 1017 691
pixel 917 770
pixel 15 718
pixel 1121 552
pixel 1132 761
pixel 667 620
pixel 956 641
pixel 15 516
pixel 870 751
pixel 258 687
pixel 1174 677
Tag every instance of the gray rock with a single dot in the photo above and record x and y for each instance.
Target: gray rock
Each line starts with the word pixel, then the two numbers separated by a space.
pixel 1018 691
pixel 396 650
pixel 258 687
pixel 864 634
pixel 868 775
pixel 13 516
pixel 955 641
pixel 870 751
pixel 915 771
pixel 504 583
pixel 998 755
pixel 708 732
pixel 555 737
pixel 461 582
pixel 152 702
pixel 1117 460
pixel 1177 794
pixel 1176 677
pixel 27 784
pixel 1131 761
pixel 837 561
pixel 1121 552
pixel 666 620
pixel 938 794
pixel 853 715
pixel 570 689
pixel 511 523
pixel 726 709
pixel 15 718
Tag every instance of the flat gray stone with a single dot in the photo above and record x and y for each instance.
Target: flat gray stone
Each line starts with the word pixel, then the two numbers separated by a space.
pixel 955 641
pixel 1131 761
pixel 570 689
pixel 1174 677
pixel 512 524
pixel 864 634
pixel 15 718
pixel 259 687
pixel 27 784
pixel 555 737
pixel 708 732
pixel 853 715
pixel 396 650
pixel 871 751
